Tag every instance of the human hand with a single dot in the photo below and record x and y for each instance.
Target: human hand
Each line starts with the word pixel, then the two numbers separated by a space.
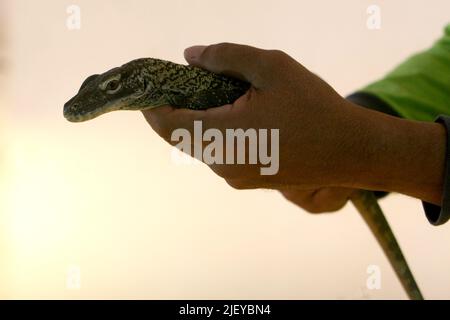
pixel 324 140
pixel 316 126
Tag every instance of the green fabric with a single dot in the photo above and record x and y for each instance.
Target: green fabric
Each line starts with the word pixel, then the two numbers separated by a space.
pixel 419 88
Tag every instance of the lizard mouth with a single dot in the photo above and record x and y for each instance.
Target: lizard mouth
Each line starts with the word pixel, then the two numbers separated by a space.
pixel 80 117
pixel 74 112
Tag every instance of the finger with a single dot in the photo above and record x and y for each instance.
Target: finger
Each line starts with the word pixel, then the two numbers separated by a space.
pixel 154 117
pixel 240 61
pixel 165 119
pixel 332 198
pixel 320 200
pixel 299 197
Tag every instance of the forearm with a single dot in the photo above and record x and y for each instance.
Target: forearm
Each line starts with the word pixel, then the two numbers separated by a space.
pixel 394 154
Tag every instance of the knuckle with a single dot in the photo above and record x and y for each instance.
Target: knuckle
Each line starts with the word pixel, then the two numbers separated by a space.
pixel 236 184
pixel 226 171
pixel 162 129
pixel 276 56
pixel 219 170
pixel 168 131
pixel 304 203
pixel 222 45
pixel 309 206
pixel 214 49
pixel 276 62
pixel 314 209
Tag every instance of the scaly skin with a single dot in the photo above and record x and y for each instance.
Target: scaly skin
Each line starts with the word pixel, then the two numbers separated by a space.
pixel 148 83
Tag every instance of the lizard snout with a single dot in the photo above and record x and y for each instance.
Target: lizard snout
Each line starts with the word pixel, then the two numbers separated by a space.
pixel 70 108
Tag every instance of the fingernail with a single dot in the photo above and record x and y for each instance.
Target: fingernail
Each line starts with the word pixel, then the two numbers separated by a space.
pixel 193 53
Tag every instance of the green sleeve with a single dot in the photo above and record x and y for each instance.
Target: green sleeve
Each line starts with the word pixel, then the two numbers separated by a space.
pixel 419 88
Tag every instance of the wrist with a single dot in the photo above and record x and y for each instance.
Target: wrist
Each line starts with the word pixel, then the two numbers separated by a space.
pixel 397 155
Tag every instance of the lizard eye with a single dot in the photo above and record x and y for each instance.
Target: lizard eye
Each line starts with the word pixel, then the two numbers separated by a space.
pixel 112 86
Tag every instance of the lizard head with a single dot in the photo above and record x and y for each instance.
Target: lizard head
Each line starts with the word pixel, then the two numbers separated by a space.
pixel 117 89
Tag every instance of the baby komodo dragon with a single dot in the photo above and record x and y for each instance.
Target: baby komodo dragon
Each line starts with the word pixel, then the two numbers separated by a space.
pixel 148 83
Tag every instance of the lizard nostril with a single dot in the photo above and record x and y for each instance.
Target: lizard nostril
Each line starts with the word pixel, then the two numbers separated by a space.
pixel 70 107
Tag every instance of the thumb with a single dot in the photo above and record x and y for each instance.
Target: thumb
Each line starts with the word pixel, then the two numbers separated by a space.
pixel 235 60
